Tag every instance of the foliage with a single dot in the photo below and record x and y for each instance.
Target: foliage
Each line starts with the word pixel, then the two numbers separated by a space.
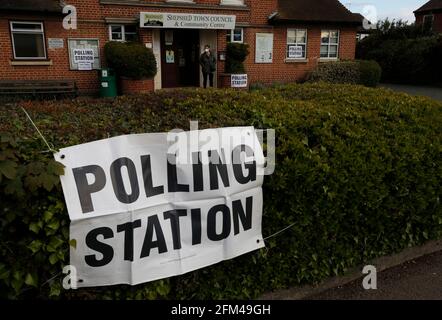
pixel 358 172
pixel 363 72
pixel 131 59
pixel 406 53
pixel 236 54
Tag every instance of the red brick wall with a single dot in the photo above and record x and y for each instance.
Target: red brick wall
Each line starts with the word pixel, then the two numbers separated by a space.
pixel 91 24
pixel 288 71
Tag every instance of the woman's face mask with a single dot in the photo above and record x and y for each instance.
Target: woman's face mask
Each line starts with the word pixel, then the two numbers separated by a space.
pixel 207 50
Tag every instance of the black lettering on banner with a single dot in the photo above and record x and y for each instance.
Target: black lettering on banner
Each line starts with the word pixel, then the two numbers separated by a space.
pixel 172 176
pixel 198 184
pixel 117 180
pixel 237 166
pixel 238 214
pixel 106 250
pixel 174 217
pixel 150 190
pixel 128 229
pixel 84 188
pixel 211 223
pixel 216 165
pixel 196 226
pixel 153 224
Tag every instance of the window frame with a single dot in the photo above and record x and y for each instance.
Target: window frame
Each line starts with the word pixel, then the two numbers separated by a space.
pixel 232 35
pixel 329 44
pixel 296 43
pixel 42 32
pixel 123 31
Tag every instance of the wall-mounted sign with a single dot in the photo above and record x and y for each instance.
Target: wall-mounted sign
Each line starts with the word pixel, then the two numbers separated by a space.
pixel 139 212
pixel 187 21
pixel 84 54
pixel 296 52
pixel 55 43
pixel 84 58
pixel 264 48
pixel 239 80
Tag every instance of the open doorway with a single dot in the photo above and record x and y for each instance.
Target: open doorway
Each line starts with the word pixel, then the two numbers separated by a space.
pixel 180 50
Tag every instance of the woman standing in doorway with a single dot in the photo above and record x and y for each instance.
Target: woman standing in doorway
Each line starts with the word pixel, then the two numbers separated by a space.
pixel 208 65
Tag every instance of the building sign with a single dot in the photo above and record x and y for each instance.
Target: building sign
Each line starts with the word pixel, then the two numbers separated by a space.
pixel 264 48
pixel 55 43
pixel 239 81
pixel 295 52
pixel 84 54
pixel 149 206
pixel 187 21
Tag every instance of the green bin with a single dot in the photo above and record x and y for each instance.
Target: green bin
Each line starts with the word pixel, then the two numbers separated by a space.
pixel 108 83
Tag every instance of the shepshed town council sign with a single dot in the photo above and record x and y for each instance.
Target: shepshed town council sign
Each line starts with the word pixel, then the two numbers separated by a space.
pixel 149 206
pixel 187 21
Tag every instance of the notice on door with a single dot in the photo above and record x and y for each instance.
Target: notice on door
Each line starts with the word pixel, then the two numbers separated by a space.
pixel 149 206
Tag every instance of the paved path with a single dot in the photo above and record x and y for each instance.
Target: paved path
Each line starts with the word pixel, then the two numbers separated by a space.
pixel 418 279
pixel 432 92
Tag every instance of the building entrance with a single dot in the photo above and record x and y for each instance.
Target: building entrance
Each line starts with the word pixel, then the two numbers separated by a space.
pixel 180 51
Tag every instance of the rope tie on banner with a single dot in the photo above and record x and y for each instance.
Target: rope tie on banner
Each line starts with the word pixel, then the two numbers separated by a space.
pixel 50 149
pixel 280 231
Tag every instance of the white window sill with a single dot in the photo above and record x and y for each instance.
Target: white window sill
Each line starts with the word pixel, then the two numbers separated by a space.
pixel 293 60
pixel 30 63
pixel 328 59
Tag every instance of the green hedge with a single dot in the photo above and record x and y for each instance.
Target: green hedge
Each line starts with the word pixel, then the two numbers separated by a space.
pixel 363 72
pixel 406 53
pixel 358 172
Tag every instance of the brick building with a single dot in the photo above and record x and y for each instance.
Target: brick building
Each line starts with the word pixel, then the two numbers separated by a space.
pixel 430 15
pixel 287 38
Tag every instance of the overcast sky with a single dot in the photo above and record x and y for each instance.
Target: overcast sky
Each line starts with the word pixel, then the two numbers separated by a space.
pixel 393 9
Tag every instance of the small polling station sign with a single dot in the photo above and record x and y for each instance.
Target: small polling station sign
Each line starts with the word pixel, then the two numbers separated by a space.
pixel 150 206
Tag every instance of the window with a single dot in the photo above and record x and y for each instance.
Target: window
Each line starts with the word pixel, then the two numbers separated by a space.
pixel 236 35
pixel 296 43
pixel 28 40
pixel 84 44
pixel 428 22
pixel 329 44
pixel 119 32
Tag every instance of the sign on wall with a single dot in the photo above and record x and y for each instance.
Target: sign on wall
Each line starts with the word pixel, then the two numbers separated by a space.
pixel 55 43
pixel 264 48
pixel 296 52
pixel 187 21
pixel 239 80
pixel 84 54
pixel 143 209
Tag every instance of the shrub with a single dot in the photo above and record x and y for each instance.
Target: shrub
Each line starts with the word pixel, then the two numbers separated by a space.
pixel 370 73
pixel 367 73
pixel 131 59
pixel 358 173
pixel 236 54
pixel 406 53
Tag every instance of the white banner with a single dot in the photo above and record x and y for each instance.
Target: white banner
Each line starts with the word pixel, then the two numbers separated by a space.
pixel 150 206
pixel 187 21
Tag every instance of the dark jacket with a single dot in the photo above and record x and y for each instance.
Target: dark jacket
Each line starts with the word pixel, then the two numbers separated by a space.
pixel 208 63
